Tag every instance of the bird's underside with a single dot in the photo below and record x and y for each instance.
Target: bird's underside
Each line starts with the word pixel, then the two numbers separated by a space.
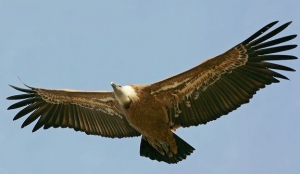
pixel 197 96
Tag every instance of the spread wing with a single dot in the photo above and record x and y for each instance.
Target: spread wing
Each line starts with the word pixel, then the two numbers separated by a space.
pixel 223 83
pixel 90 112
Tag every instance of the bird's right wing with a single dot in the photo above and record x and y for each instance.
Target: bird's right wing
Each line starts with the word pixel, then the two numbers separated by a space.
pixel 91 112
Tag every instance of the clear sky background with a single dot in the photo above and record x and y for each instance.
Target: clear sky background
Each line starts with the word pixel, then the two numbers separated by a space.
pixel 85 45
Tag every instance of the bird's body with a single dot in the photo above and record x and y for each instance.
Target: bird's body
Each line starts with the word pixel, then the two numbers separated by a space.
pixel 149 117
pixel 204 93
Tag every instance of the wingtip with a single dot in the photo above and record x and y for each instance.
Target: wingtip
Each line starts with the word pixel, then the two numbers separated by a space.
pixel 294 46
pixel 22 126
pixel 9 108
pixel 272 24
pixel 15 118
pixel 287 24
pixel 30 90
pixel 294 36
pixel 13 86
pixel 34 129
pixel 275 22
pixel 8 98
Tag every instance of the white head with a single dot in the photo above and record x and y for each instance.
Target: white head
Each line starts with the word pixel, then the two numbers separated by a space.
pixel 124 94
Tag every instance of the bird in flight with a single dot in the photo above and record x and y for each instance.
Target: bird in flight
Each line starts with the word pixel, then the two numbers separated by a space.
pixel 154 111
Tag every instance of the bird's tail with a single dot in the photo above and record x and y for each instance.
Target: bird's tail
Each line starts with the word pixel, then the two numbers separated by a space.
pixel 184 149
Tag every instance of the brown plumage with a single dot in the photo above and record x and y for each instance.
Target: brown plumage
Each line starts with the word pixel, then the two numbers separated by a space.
pixel 197 96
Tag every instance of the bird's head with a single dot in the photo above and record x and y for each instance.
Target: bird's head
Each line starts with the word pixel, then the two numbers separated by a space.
pixel 124 94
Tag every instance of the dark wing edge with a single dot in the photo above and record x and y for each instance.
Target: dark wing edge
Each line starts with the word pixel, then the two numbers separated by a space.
pixel 94 113
pixel 222 84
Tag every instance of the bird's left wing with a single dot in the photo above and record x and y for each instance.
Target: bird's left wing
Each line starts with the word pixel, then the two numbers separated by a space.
pixel 90 112
pixel 223 83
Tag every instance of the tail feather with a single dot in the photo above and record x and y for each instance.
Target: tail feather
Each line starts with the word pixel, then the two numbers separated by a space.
pixel 184 149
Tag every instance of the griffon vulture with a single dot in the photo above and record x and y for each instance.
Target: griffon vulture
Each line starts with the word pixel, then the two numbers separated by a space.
pixel 204 93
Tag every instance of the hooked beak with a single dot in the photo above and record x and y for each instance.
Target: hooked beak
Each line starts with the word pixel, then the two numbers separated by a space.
pixel 112 84
pixel 115 86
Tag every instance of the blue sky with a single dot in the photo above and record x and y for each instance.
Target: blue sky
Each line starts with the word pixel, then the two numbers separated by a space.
pixel 85 45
